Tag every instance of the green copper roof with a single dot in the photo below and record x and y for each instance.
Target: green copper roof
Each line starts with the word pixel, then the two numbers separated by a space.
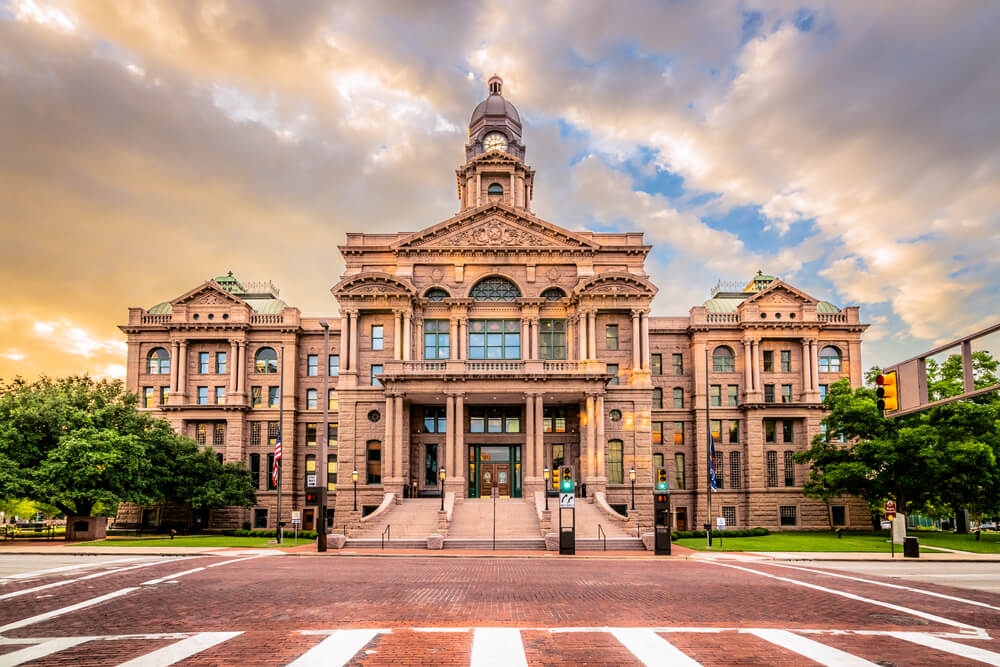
pixel 726 297
pixel 161 309
pixel 826 307
pixel 262 296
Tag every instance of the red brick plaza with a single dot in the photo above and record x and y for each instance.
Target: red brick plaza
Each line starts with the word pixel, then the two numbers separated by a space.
pixel 247 609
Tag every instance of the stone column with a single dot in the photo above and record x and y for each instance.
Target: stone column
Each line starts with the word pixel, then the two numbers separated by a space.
pixel 354 340
pixel 600 468
pixel 644 325
pixel 755 360
pixel 636 341
pixel 453 339
pixel 182 369
pixel 397 441
pixel 388 441
pixel 241 372
pixel 592 335
pixel 397 335
pixel 463 338
pixel 344 343
pixel 533 328
pixel 539 436
pixel 479 188
pixel 449 436
pixel 529 439
pixel 814 362
pixel 407 335
pixel 525 338
pixel 588 466
pixel 460 467
pixel 419 349
pixel 175 364
pixel 570 337
pixel 747 366
pixel 582 330
pixel 806 367
pixel 233 353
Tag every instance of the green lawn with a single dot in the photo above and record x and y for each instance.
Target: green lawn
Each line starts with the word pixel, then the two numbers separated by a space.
pixel 825 541
pixel 989 543
pixel 196 541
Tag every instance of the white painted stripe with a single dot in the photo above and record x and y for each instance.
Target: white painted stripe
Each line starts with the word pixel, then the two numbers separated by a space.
pixel 41 573
pixel 852 596
pixel 65 610
pixel 171 576
pixel 497 647
pixel 40 650
pixel 821 653
pixel 178 651
pixel 73 581
pixel 899 586
pixel 237 560
pixel 651 649
pixel 930 641
pixel 335 650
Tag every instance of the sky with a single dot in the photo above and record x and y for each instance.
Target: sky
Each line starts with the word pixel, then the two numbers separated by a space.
pixel 851 148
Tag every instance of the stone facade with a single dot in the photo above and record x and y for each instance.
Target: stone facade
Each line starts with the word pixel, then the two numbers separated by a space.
pixel 499 346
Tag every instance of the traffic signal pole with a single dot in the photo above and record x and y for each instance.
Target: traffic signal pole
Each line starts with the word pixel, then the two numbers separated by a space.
pixel 708 454
pixel 324 442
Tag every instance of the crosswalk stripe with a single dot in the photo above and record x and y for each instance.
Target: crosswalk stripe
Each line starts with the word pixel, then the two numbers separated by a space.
pixel 40 650
pixel 821 653
pixel 651 649
pixel 178 651
pixel 964 650
pixel 65 610
pixel 335 650
pixel 499 647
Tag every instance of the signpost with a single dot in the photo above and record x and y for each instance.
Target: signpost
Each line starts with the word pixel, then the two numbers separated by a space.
pixel 661 514
pixel 296 520
pixel 720 524
pixel 567 501
pixel 311 479
pixel 890 515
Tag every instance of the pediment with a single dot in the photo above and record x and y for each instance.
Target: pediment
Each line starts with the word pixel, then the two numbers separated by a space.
pixel 498 226
pixel 780 293
pixel 617 283
pixel 373 283
pixel 208 294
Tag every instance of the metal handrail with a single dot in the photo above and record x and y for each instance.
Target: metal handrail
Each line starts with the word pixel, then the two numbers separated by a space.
pixel 385 532
pixel 602 534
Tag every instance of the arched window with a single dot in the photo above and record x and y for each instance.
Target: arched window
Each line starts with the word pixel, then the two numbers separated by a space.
pixel 495 189
pixel 373 462
pixel 495 288
pixel 436 294
pixel 266 360
pixel 829 360
pixel 553 294
pixel 723 360
pixel 158 361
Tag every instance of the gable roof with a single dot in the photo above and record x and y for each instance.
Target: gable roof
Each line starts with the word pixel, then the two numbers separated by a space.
pixel 778 285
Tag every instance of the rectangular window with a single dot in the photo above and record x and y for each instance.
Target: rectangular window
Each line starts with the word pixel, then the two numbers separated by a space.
pixel 735 471
pixel 273 397
pixel 734 432
pixel 823 388
pixel 272 433
pixel 616 470
pixel 477 422
pixel 769 393
pixel 201 433
pixel 332 401
pixel 310 435
pixel 787 513
pixel 786 361
pixel 164 395
pixel 333 365
pixel 839 515
pixel 717 459
pixel 378 337
pixel 376 372
pixel 203 362
pixel 257 397
pixel 789 469
pixel 786 393
pixel 788 431
pixel 729 514
pixel 310 468
pixel 554 419
pixel 271 486
pixel 768 361
pixel 678 360
pixel 437 339
pixel 823 431
pixel 220 395
pixel 679 472
pixel 715 395
pixel 613 372
pixel 717 431
pixel 656 361
pixel 202 395
pixel 610 336
pixel 435 419
pixel 657 459
pixel 254 434
pixel 657 398
pixel 732 395
pixel 332 433
pixel 260 518
pixel 512 421
pixel 771 460
pixel 312 365
pixel 770 430
pixel 494 420
pixel 494 424
pixel 311 400
pixel 657 433
pixel 220 363
pixel 255 470
pixel 494 339
pixel 373 462
pixel 678 433
pixel 552 339
pixel 430 465
pixel 219 435
pixel 331 472
pixel 147 397
pixel 678 397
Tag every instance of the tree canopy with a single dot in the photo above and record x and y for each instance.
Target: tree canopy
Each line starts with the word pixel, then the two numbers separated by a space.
pixel 77 443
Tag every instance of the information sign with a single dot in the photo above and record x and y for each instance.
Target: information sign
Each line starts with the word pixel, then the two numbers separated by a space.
pixel 720 523
pixel 296 517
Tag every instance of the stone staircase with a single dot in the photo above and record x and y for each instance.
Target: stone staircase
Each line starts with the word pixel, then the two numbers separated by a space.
pixel 588 517
pixel 516 525
pixel 410 523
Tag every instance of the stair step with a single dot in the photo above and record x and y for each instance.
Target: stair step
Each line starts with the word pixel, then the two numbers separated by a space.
pixel 505 544
pixel 369 543
pixel 614 544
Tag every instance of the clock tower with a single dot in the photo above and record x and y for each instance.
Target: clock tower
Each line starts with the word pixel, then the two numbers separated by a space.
pixel 494 170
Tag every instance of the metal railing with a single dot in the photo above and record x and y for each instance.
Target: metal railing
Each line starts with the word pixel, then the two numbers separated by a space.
pixel 386 535
pixel 601 535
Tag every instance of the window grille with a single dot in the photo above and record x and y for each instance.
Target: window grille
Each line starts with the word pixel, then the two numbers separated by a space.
pixel 772 468
pixel 495 288
pixel 735 471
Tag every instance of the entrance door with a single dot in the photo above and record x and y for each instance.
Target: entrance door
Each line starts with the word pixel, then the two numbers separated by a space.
pixel 494 475
pixel 308 517
pixel 682 518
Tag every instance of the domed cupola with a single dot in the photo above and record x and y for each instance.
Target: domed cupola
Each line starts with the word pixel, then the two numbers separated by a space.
pixel 495 125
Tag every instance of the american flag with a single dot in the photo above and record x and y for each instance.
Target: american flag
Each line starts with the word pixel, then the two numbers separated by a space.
pixel 277 459
pixel 711 459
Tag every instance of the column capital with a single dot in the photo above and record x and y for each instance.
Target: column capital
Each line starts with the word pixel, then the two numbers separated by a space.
pixel 455 394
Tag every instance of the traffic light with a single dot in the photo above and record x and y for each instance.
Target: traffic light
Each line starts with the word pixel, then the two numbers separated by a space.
pixel 661 480
pixel 315 495
pixel 566 479
pixel 887 392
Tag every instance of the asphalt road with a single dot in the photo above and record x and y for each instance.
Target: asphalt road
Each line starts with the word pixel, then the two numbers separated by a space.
pixel 974 576
pixel 244 610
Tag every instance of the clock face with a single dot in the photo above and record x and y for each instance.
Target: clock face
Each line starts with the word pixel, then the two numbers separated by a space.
pixel 495 141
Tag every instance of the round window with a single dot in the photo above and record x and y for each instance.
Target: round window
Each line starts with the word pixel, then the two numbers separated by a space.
pixel 791 316
pixel 615 415
pixel 763 316
pixel 195 316
pixel 374 416
pixel 777 316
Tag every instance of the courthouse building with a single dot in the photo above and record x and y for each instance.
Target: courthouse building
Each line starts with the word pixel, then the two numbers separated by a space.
pixel 498 346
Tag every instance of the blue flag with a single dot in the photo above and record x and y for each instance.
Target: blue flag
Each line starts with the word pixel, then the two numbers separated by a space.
pixel 711 460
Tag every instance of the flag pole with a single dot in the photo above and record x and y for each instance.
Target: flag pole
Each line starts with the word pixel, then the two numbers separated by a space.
pixel 708 477
pixel 281 427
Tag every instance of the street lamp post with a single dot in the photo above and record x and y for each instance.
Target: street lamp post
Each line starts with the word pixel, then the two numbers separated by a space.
pixel 354 478
pixel 631 476
pixel 441 477
pixel 545 489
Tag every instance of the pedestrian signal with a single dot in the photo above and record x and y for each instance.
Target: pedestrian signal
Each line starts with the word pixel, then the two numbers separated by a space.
pixel 661 479
pixel 566 479
pixel 887 392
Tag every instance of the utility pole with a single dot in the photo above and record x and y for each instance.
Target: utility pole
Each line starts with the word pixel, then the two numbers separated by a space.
pixel 324 442
pixel 708 452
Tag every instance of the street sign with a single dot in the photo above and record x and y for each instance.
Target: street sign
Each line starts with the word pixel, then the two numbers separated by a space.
pixel 566 500
pixel 720 523
pixel 311 479
pixel 890 509
pixel 296 517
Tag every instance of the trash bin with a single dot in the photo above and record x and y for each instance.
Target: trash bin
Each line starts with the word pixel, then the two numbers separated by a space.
pixel 911 547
